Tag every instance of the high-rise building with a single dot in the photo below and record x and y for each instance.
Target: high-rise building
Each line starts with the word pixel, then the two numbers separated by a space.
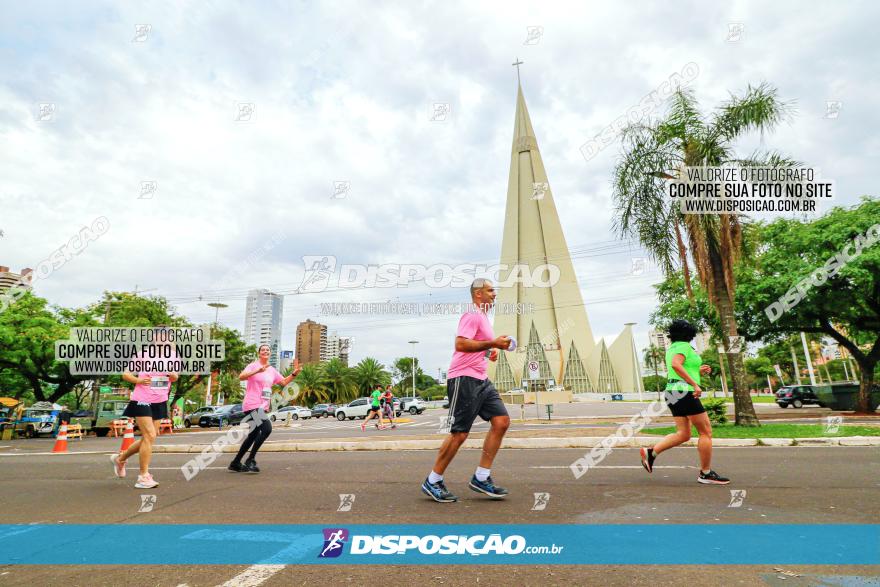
pixel 262 321
pixel 658 339
pixel 286 360
pixel 556 335
pixel 703 341
pixel 9 279
pixel 311 337
pixel 335 347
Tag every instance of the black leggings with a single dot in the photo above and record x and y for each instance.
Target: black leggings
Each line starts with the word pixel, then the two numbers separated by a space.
pixel 255 438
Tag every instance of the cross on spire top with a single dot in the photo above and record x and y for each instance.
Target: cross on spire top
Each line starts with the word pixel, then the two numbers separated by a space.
pixel 516 64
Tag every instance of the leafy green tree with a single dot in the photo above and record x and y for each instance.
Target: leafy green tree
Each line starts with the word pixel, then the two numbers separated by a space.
pixel 368 374
pixel 759 368
pixel 844 306
pixel 403 373
pixel 656 382
pixel 28 331
pixel 654 152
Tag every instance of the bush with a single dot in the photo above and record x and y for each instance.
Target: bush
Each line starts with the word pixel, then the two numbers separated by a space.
pixel 716 408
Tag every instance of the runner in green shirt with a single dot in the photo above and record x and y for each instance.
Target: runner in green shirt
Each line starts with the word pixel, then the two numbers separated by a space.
pixel 374 408
pixel 684 367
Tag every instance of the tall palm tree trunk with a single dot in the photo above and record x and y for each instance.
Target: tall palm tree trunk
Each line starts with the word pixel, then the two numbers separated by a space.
pixel 743 408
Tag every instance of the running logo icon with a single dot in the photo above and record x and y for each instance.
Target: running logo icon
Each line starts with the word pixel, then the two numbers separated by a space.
pixel 737 497
pixel 319 268
pixel 147 503
pixel 832 424
pixel 334 541
pixel 346 500
pixel 541 501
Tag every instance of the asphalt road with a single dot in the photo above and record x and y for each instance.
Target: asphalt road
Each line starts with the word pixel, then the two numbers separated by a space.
pixel 593 415
pixel 783 485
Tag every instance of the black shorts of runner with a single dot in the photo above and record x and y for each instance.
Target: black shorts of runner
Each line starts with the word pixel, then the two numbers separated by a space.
pixel 688 405
pixel 374 409
pixel 470 397
pixel 156 411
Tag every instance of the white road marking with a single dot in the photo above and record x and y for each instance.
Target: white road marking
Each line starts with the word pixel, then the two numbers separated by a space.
pixel 616 467
pixel 253 576
pixel 79 452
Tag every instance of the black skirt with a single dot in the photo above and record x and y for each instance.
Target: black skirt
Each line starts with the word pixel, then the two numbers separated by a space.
pixel 157 411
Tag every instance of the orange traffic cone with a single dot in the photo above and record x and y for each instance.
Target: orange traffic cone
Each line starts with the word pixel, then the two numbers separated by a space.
pixel 61 439
pixel 128 437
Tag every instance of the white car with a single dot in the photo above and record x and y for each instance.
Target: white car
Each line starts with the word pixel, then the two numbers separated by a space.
pixel 286 413
pixel 359 408
pixel 413 406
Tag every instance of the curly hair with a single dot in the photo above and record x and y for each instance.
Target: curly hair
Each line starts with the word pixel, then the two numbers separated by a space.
pixel 681 331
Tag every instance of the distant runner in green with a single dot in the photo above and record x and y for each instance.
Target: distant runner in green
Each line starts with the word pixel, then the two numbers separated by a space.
pixel 374 408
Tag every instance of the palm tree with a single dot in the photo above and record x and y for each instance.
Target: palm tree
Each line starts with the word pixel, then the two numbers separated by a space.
pixel 369 373
pixel 654 356
pixel 340 381
pixel 312 384
pixel 654 152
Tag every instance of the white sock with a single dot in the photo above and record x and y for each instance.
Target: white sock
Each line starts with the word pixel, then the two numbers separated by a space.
pixel 482 474
pixel 434 477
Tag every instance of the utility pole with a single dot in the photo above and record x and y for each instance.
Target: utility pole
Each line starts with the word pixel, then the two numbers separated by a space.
pixel 414 343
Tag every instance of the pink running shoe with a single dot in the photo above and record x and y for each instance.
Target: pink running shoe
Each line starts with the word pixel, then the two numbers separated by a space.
pixel 118 466
pixel 146 482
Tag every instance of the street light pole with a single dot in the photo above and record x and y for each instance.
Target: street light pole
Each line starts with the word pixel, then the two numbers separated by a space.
pixel 414 343
pixel 216 306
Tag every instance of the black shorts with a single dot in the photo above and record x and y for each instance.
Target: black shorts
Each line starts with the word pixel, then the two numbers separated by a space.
pixel 686 406
pixel 157 411
pixel 469 398
pixel 374 409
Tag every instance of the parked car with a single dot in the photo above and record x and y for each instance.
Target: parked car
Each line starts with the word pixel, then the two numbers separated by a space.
pixel 231 414
pixel 412 405
pixel 194 417
pixel 796 395
pixel 285 413
pixel 321 411
pixel 358 408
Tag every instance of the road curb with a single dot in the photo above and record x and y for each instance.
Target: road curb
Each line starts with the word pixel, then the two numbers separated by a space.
pixel 530 443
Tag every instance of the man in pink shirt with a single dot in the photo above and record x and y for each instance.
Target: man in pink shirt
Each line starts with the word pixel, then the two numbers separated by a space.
pixel 471 394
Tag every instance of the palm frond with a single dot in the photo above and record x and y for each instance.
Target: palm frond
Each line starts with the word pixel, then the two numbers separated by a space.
pixel 758 108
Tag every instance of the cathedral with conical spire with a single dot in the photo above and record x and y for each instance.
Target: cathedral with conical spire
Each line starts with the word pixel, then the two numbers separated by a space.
pixel 556 333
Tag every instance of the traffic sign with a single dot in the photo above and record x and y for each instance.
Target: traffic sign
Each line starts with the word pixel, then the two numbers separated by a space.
pixel 534 370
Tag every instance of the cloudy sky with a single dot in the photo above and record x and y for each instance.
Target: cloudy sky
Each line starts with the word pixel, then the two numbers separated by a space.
pixel 344 92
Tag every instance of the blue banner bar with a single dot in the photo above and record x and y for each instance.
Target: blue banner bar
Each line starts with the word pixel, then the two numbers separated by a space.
pixel 517 544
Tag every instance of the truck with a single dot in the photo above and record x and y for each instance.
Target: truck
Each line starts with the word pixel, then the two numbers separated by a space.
pixel 107 410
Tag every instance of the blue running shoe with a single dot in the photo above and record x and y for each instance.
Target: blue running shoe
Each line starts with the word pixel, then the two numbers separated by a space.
pixel 438 492
pixel 488 487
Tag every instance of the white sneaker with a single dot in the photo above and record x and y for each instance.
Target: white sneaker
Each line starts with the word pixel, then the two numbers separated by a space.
pixel 118 466
pixel 146 482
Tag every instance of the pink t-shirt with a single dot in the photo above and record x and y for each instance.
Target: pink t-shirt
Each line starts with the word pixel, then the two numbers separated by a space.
pixel 475 326
pixel 259 387
pixel 158 388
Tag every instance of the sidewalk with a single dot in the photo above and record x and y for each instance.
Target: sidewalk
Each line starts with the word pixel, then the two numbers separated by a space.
pixel 528 439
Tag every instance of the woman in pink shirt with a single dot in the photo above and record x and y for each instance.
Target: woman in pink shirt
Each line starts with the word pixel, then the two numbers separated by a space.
pixel 260 377
pixel 149 404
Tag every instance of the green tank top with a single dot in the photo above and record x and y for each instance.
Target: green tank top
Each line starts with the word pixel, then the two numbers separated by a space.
pixel 692 362
pixel 374 398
